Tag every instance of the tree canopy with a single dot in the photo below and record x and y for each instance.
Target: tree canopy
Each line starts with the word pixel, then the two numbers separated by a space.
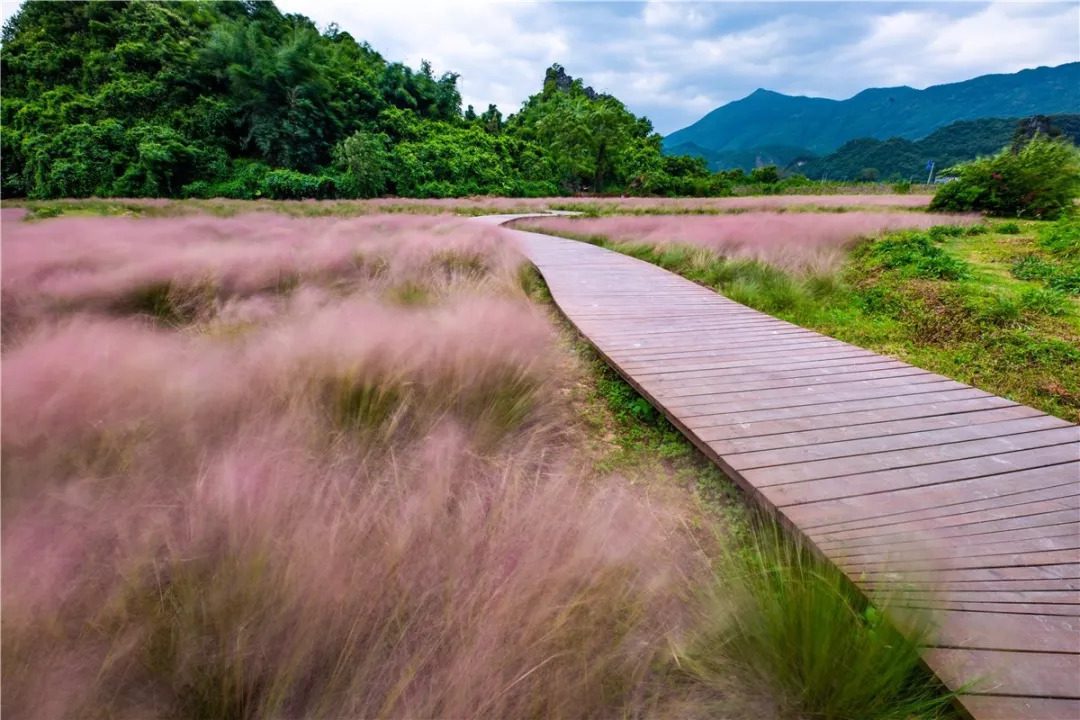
pixel 237 99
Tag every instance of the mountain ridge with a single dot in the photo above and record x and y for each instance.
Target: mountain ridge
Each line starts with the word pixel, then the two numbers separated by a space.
pixel 821 125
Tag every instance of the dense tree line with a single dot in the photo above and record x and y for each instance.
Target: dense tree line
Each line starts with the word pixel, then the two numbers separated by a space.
pixel 237 99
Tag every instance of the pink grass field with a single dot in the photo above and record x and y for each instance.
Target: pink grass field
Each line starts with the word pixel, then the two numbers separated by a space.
pixel 344 506
pixel 771 202
pixel 489 204
pixel 795 241
pixel 68 264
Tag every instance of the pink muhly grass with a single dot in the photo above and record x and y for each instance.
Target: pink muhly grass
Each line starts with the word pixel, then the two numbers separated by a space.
pixel 358 510
pixel 805 242
pixel 194 265
pixel 484 203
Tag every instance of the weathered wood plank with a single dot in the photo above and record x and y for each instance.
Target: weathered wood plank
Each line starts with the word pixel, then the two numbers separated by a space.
pixel 773 441
pixel 998 707
pixel 1009 673
pixel 907 476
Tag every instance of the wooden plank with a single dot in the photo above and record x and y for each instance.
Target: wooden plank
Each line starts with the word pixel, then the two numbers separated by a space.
pixel 847 361
pixel 991 631
pixel 971 401
pixel 808 356
pixel 772 441
pixel 951 578
pixel 1064 610
pixel 908 476
pixel 825 399
pixel 1057 537
pixel 881 443
pixel 793 395
pixel 988 584
pixel 817 348
pixel 928 458
pixel 1070 597
pixel 708 340
pixel 887 565
pixel 1008 673
pixel 1065 539
pixel 999 707
pixel 832 518
pixel 1015 527
pixel 769 381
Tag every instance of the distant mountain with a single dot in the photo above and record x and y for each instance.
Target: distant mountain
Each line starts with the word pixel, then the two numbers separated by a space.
pixel 901 159
pixel 765 118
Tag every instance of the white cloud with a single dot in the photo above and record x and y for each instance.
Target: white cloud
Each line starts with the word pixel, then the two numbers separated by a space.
pixel 665 14
pixel 926 47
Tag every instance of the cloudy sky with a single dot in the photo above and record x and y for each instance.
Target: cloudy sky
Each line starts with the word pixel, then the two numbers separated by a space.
pixel 675 61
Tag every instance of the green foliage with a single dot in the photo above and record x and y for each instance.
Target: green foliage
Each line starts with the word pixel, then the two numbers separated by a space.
pixel 365 160
pixel 791 622
pixel 869 174
pixel 939 233
pixel 765 175
pixel 1039 180
pixel 901 188
pixel 1062 238
pixel 292 185
pixel 916 255
pixel 1057 266
pixel 237 100
pixel 1044 301
pixel 1007 228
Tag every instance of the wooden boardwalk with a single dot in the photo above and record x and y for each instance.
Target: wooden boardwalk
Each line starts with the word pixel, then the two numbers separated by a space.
pixel 883 466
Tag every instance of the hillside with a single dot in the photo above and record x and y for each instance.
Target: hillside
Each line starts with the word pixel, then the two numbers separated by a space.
pixel 242 101
pixel 766 118
pixel 898 158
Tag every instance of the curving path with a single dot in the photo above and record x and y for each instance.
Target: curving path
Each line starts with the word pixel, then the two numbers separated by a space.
pixel 883 466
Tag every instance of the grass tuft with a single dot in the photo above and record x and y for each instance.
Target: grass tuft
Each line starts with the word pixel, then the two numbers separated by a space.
pixel 786 619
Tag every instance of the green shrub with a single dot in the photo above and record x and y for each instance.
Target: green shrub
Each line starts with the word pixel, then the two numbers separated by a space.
pixel 902 188
pixel 973 230
pixel 917 256
pixel 1062 238
pixel 1008 228
pixel 1066 282
pixel 940 232
pixel 365 160
pixel 1055 275
pixel 1000 311
pixel 1044 301
pixel 787 620
pixel 293 185
pixel 765 175
pixel 1039 180
pixel 244 182
pixel 1032 267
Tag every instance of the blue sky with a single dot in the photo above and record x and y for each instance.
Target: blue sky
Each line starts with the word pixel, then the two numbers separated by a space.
pixel 675 61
